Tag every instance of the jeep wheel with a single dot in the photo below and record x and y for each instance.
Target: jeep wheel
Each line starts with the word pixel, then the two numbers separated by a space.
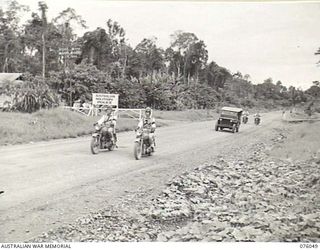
pixel 234 128
pixel 216 127
pixel 237 129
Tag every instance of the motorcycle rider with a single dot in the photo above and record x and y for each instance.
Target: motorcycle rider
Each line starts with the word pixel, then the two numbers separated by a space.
pixel 245 115
pixel 149 122
pixel 257 116
pixel 109 117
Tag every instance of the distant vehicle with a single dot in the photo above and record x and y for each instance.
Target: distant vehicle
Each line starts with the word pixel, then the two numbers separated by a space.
pixel 230 118
pixel 245 119
pixel 257 120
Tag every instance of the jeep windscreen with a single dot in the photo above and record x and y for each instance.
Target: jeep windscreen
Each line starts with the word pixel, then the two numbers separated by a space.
pixel 229 114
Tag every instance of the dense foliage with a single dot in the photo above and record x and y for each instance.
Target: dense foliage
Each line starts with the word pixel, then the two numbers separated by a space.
pixel 177 77
pixel 31 95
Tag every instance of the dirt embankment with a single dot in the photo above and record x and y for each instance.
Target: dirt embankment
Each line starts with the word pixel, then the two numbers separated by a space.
pixel 302 142
pixel 249 194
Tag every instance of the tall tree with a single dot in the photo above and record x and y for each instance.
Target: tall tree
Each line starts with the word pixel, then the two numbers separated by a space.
pixel 33 46
pixel 238 75
pixel 314 90
pixel 175 65
pixel 97 48
pixel 10 32
pixel 66 21
pixel 186 45
pixel 118 43
pixel 181 41
pixel 151 57
pixel 43 8
pixel 247 77
pixel 216 76
pixel 196 59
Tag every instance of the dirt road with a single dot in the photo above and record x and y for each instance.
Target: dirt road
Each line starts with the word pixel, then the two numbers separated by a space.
pixel 50 184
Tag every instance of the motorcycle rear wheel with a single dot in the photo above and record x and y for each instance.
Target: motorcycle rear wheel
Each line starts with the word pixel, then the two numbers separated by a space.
pixel 111 148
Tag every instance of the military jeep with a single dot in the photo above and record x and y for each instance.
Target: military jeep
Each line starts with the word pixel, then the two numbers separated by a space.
pixel 230 118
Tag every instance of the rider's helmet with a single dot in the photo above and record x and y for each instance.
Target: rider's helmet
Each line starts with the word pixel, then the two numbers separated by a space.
pixel 109 110
pixel 148 112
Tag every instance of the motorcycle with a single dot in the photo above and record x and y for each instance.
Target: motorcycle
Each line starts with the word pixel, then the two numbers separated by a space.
pixel 141 144
pixel 102 138
pixel 257 120
pixel 245 119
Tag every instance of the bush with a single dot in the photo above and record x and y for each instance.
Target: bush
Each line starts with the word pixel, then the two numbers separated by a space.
pixel 247 103
pixel 130 93
pixel 80 81
pixel 32 95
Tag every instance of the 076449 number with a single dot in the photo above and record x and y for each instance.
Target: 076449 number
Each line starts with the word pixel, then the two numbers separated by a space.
pixel 309 245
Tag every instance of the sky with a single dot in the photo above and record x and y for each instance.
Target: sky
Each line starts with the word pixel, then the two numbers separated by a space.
pixel 269 39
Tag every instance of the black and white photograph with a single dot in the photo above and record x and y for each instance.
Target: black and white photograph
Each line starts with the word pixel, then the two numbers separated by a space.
pixel 159 121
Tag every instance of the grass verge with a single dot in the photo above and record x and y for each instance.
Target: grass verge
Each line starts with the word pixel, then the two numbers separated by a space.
pixel 16 128
pixel 187 115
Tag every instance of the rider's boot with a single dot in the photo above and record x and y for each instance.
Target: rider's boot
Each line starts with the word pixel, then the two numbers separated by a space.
pixel 115 140
pixel 153 146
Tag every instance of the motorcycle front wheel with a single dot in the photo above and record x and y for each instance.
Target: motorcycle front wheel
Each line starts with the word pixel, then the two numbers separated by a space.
pixel 111 148
pixel 137 150
pixel 94 145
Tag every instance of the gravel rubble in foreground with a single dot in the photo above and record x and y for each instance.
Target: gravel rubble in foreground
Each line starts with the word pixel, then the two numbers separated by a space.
pixel 244 196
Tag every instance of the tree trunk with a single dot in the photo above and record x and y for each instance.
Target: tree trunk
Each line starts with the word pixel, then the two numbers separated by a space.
pixel 173 75
pixel 124 63
pixel 5 65
pixel 43 56
pixel 5 55
pixel 197 75
pixel 91 54
pixel 178 70
pixel 185 80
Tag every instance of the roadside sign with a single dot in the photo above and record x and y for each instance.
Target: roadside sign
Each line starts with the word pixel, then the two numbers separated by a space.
pixel 105 99
pixel 71 52
pixel 75 51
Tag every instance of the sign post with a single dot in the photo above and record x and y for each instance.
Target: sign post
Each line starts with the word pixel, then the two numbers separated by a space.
pixel 105 99
pixel 101 100
pixel 66 53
